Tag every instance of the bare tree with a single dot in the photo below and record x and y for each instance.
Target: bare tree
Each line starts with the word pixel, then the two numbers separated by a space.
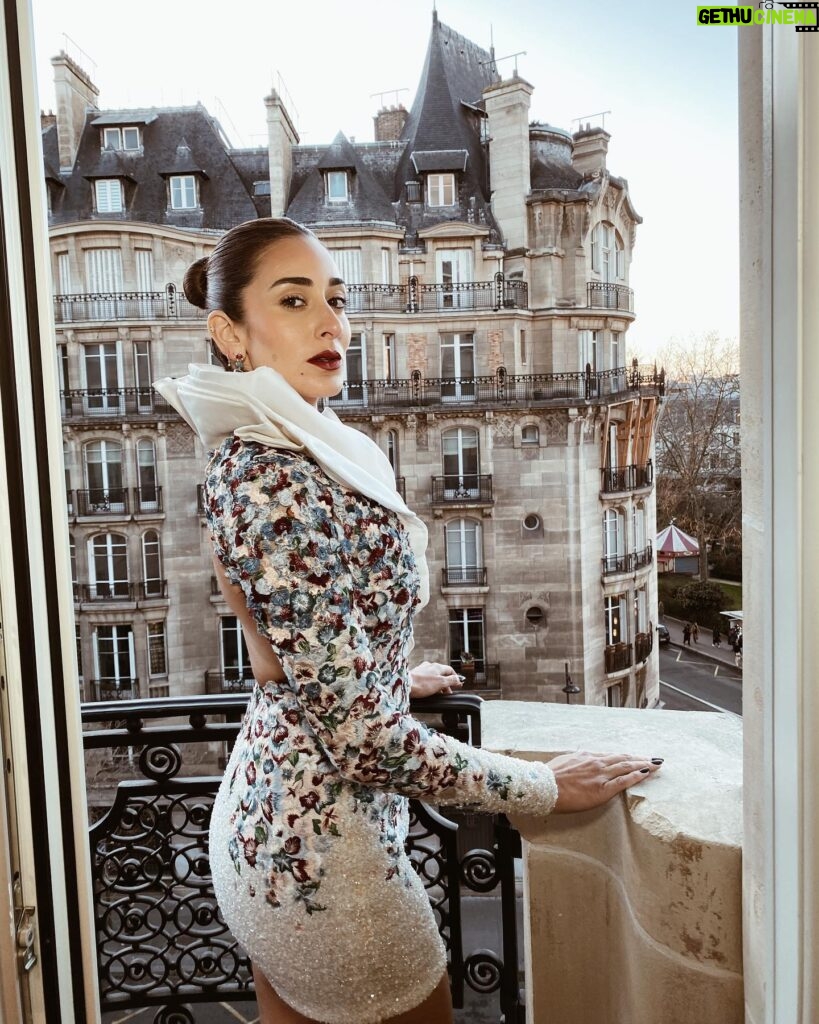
pixel 698 450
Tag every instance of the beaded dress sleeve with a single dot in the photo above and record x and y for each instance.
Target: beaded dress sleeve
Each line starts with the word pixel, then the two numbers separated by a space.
pixel 300 560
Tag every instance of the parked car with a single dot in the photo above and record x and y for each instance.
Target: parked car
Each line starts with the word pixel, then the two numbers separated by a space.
pixel 663 636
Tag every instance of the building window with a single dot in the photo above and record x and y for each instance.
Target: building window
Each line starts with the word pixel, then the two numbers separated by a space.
pixel 390 363
pixel 639 526
pixel 152 564
pixel 461 461
pixel 454 272
pixel 530 434
pixel 523 345
pixel 78 642
pixel 355 361
pixel 616 620
pixel 466 634
pixel 64 273
pixel 440 189
pixel 102 379
pixel 183 192
pixel 607 253
pixel 103 475
pixel 464 552
pixel 157 649
pixel 114 658
pixel 617 361
pixel 413 191
pixel 348 262
pixel 147 490
pixel 108 566
pixel 143 376
pixel 120 138
pixel 386 266
pixel 108 193
pixel 336 186
pixel 233 651
pixel 458 367
pixel 588 349
pixel 640 611
pixel 392 450
pixel 613 540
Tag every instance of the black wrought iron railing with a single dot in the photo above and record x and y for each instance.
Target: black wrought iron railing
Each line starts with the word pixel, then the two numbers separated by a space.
pixel 119 690
pixel 237 680
pixel 168 304
pixel 603 295
pixel 103 501
pixel 625 563
pixel 499 389
pixel 113 591
pixel 643 646
pixel 112 403
pixel 626 478
pixel 464 576
pixel 618 657
pixel 160 938
pixel 148 499
pixel 462 489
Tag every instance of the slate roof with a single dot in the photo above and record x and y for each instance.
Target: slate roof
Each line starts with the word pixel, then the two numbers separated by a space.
pixel 51 154
pixel 369 187
pixel 224 189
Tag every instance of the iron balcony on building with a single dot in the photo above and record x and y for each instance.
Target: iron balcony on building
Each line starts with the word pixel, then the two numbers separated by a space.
pixel 96 404
pixel 627 563
pixel 618 657
pixel 411 297
pixel 464 489
pixel 626 478
pixel 501 389
pixel 602 295
pixel 114 689
pixel 121 591
pixel 643 646
pixel 464 576
pixel 229 681
pixel 114 501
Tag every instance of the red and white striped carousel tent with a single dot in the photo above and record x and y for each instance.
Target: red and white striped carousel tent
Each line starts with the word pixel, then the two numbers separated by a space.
pixel 677 551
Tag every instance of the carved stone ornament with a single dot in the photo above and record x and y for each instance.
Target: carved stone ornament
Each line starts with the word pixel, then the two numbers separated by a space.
pixel 503 431
pixel 556 424
pixel 180 440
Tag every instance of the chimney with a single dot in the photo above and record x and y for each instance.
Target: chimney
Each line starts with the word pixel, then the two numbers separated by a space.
pixel 589 149
pixel 47 119
pixel 389 123
pixel 281 137
pixel 507 110
pixel 76 94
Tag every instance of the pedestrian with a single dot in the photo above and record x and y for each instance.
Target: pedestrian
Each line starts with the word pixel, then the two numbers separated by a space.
pixel 687 633
pixel 738 650
pixel 716 638
pixel 324 566
pixel 695 632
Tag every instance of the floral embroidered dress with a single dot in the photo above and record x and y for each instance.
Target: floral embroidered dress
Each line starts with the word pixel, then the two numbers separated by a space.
pixel 308 828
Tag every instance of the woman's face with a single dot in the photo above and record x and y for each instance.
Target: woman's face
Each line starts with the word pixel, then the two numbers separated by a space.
pixel 294 319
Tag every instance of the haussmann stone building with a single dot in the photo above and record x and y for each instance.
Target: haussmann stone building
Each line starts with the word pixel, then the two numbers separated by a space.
pixel 487 256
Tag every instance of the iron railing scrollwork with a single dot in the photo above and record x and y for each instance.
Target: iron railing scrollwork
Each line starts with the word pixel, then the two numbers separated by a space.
pixel 616 480
pixel 161 940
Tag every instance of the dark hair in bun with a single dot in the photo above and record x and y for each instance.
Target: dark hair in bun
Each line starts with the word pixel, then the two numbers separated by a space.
pixel 218 280
pixel 195 284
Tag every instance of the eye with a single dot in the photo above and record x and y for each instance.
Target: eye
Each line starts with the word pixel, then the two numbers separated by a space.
pixel 338 301
pixel 293 301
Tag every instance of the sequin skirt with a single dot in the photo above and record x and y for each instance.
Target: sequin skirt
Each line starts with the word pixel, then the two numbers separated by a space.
pixel 323 898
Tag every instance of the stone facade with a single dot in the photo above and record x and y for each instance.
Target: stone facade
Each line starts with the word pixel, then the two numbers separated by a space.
pixel 488 359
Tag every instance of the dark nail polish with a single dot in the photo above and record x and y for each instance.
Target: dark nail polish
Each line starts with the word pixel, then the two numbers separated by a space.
pixel 657 760
pixel 645 771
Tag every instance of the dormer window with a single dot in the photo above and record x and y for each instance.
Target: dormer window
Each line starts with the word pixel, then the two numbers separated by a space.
pixel 336 186
pixel 108 195
pixel 126 139
pixel 440 190
pixel 183 192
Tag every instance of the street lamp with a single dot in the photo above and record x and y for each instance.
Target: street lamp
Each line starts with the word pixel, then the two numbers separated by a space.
pixel 570 687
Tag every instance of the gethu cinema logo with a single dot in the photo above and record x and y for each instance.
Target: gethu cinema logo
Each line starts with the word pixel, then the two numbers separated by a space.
pixel 763 14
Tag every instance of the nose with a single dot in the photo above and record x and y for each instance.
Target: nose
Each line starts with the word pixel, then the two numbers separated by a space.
pixel 329 322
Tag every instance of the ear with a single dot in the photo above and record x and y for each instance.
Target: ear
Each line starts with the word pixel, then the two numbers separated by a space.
pixel 225 333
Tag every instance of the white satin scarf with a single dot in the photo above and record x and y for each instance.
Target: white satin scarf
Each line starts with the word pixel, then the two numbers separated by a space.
pixel 261 406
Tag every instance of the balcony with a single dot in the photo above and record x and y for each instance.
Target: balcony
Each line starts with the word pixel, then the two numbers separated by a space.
pixel 646 888
pixel 614 565
pixel 623 479
pixel 601 295
pixel 229 681
pixel 464 576
pixel 618 657
pixel 461 491
pixel 501 390
pixel 148 500
pixel 169 304
pixel 643 646
pixel 99 501
pixel 114 689
pixel 100 404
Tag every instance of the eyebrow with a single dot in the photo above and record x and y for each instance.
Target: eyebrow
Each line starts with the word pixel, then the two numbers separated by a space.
pixel 305 281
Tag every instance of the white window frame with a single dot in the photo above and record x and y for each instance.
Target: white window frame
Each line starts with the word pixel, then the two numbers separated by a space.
pixel 156 631
pixel 530 434
pixel 119 139
pixel 183 192
pixel 151 544
pixel 108 195
pixel 114 549
pixel 337 186
pixel 440 190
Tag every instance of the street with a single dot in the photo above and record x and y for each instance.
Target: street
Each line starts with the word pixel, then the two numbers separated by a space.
pixel 690 681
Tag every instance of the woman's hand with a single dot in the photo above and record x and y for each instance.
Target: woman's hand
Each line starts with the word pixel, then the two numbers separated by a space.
pixel 588 780
pixel 430 677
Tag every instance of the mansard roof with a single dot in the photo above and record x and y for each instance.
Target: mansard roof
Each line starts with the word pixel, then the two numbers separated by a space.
pixel 174 140
pixel 371 170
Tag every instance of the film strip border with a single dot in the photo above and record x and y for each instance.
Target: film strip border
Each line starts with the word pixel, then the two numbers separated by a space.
pixel 801 7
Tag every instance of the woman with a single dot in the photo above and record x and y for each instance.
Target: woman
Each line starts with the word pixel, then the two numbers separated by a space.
pixel 323 564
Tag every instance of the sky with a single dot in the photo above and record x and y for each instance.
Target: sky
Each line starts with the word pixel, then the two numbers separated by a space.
pixel 668 87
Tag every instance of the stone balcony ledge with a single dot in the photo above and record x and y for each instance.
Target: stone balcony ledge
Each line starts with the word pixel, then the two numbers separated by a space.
pixel 632 912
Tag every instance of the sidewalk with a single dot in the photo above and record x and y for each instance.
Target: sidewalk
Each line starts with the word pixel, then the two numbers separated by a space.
pixel 723 653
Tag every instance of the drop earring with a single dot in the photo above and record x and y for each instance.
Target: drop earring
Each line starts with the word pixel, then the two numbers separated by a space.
pixel 237 364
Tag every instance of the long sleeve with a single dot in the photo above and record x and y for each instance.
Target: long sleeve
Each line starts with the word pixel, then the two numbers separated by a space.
pixel 291 541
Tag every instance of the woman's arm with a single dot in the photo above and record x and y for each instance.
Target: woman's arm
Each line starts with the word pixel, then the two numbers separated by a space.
pixel 279 542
